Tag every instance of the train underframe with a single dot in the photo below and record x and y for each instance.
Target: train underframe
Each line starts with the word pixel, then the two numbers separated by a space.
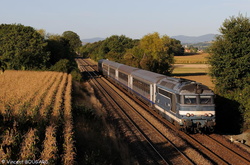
pixel 197 126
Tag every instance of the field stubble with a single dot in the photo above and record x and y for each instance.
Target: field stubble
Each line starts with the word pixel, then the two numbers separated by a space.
pixel 196 58
pixel 193 67
pixel 35 117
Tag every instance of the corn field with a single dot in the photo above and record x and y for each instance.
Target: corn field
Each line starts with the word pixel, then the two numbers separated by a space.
pixel 35 117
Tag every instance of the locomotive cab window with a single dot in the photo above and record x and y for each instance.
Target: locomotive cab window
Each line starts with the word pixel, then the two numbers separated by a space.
pixel 190 100
pixel 206 100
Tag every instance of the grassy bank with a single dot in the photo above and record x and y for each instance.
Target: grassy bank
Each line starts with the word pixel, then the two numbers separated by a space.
pixel 97 139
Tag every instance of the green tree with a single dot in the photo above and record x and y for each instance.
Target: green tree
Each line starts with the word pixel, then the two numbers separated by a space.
pixel 62 66
pixel 74 40
pixel 230 55
pixel 176 47
pixel 133 56
pixel 59 48
pixel 158 53
pixel 42 32
pixel 230 69
pixel 115 46
pixel 2 66
pixel 22 47
pixel 92 50
pixel 152 44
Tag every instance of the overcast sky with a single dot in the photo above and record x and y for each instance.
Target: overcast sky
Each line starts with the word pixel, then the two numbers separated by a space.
pixel 133 18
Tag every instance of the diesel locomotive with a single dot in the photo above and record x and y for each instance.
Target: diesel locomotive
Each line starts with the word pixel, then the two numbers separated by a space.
pixel 187 104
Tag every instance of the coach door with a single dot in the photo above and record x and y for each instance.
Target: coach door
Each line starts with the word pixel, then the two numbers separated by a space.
pixel 173 102
pixel 151 92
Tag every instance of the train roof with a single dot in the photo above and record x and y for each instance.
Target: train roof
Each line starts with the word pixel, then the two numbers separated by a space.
pixel 179 85
pixel 195 88
pixel 184 86
pixel 101 60
pixel 127 69
pixel 169 82
pixel 147 75
pixel 112 63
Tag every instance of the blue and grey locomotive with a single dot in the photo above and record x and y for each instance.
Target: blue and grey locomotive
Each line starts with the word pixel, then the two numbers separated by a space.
pixel 187 104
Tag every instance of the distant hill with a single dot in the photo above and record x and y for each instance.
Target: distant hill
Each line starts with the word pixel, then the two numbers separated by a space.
pixel 193 39
pixel 92 40
pixel 184 39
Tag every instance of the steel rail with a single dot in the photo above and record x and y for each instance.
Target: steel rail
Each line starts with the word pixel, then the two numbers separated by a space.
pixel 187 159
pixel 97 84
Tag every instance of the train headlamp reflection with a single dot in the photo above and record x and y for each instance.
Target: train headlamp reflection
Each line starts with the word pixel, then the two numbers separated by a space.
pixel 210 114
pixel 188 114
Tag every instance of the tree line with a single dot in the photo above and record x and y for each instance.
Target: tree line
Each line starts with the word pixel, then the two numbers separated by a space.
pixel 24 48
pixel 152 52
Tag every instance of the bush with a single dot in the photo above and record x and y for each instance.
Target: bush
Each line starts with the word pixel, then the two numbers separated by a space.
pixel 76 75
pixel 62 66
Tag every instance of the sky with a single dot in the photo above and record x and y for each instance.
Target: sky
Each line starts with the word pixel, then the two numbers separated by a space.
pixel 132 18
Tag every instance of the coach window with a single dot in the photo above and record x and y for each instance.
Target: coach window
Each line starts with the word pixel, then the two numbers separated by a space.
pixel 123 76
pixel 112 71
pixel 190 100
pixel 105 67
pixel 141 85
pixel 146 87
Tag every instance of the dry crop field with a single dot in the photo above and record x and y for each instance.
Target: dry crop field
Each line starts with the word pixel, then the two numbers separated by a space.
pixel 36 117
pixel 193 67
pixel 199 58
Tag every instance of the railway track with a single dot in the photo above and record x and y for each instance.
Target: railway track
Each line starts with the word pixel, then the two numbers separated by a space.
pixel 227 152
pixel 231 146
pixel 213 150
pixel 133 135
pixel 164 149
pixel 218 152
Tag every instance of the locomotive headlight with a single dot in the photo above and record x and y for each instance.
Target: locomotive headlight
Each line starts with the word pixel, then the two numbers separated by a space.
pixel 210 114
pixel 188 114
pixel 192 114
pixel 206 114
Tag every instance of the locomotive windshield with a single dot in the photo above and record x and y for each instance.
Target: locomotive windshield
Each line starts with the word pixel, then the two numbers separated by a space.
pixel 190 100
pixel 205 99
pixel 198 99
